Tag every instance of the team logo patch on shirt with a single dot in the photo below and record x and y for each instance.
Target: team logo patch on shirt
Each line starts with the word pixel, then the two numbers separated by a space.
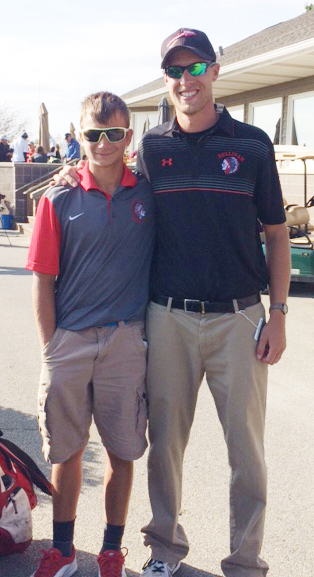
pixel 166 162
pixel 139 212
pixel 230 162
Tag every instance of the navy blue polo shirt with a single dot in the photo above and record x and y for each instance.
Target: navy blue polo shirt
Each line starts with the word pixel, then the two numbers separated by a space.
pixel 211 191
pixel 99 247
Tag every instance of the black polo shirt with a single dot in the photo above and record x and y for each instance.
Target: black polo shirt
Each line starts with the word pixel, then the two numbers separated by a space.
pixel 211 192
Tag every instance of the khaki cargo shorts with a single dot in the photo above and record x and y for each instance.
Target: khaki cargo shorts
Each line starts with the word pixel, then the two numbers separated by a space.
pixel 95 372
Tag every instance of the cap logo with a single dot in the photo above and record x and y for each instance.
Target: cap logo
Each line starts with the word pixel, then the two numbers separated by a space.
pixel 183 34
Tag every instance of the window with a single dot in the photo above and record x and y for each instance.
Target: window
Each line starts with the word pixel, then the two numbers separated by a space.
pixel 267 116
pixel 141 122
pixel 237 112
pixel 300 128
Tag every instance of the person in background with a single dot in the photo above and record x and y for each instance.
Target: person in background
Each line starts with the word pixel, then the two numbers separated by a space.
pixel 20 148
pixel 73 148
pixel 52 142
pixel 39 155
pixel 5 150
pixel 52 158
pixel 58 155
pixel 30 151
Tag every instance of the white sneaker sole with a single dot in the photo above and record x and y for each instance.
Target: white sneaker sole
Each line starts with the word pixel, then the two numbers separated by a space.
pixel 66 571
pixel 123 572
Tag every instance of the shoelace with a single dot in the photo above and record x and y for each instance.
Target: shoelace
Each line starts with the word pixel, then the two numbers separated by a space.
pixel 50 561
pixel 111 563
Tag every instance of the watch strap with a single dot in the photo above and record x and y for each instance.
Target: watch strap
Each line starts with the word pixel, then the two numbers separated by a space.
pixel 283 307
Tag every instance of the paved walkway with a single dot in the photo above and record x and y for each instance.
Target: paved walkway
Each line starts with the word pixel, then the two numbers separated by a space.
pixel 289 537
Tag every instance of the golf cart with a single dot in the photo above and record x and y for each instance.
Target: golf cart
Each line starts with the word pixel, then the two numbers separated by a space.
pixel 301 231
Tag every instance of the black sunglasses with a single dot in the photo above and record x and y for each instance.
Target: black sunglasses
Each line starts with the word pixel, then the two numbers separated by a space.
pixel 115 134
pixel 196 69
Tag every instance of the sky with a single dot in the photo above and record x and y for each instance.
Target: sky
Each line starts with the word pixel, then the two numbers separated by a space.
pixel 60 52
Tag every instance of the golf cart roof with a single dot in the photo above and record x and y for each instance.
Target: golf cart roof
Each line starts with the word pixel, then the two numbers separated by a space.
pixel 293 152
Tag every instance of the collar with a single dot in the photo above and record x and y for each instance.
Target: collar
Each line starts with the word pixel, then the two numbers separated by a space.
pixel 88 181
pixel 225 123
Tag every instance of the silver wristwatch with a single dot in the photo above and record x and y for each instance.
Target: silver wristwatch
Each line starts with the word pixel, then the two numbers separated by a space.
pixel 280 306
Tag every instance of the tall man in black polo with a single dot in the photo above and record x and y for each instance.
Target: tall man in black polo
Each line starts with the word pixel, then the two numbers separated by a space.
pixel 214 179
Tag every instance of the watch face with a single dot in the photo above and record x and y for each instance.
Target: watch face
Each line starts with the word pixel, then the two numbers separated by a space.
pixel 280 306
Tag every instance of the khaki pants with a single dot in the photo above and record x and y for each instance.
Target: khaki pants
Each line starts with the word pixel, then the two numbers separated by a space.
pixel 182 348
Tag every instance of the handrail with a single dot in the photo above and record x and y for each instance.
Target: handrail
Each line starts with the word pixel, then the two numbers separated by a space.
pixel 26 188
pixel 41 189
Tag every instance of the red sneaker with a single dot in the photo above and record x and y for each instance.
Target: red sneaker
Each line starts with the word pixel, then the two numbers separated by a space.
pixel 53 564
pixel 111 564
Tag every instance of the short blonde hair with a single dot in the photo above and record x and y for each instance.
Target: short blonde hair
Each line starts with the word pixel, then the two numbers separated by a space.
pixel 102 105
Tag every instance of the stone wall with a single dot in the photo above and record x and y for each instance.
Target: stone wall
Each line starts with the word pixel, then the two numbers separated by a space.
pixel 13 177
pixel 7 180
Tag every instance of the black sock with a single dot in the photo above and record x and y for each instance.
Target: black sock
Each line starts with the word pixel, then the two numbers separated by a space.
pixel 112 537
pixel 63 536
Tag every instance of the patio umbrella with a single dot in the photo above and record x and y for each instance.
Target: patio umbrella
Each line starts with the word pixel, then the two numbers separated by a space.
pixel 72 130
pixel 164 111
pixel 43 128
pixel 277 132
pixel 294 137
pixel 146 126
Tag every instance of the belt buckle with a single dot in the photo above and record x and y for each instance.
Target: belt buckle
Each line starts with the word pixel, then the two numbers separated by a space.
pixel 200 303
pixel 186 301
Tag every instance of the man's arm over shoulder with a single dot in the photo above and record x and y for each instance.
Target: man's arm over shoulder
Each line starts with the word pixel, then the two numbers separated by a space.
pixel 68 175
pixel 273 339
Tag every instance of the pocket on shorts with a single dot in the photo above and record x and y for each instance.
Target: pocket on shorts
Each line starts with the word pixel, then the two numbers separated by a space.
pixel 139 336
pixel 53 342
pixel 141 411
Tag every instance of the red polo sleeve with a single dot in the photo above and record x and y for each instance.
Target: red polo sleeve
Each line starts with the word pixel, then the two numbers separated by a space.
pixel 44 251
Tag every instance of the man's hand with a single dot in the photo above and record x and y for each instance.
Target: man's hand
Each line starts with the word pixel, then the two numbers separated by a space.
pixel 68 175
pixel 272 342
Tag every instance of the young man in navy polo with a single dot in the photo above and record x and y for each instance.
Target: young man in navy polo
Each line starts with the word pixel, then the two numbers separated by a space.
pixel 214 180
pixel 91 255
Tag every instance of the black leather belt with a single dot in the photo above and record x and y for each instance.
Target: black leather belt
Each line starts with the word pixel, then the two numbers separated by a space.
pixel 195 306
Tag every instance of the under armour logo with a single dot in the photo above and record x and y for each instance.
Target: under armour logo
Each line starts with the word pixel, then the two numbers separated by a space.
pixel 166 162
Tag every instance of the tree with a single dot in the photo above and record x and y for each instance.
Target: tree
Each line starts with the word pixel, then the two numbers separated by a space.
pixel 309 7
pixel 12 124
